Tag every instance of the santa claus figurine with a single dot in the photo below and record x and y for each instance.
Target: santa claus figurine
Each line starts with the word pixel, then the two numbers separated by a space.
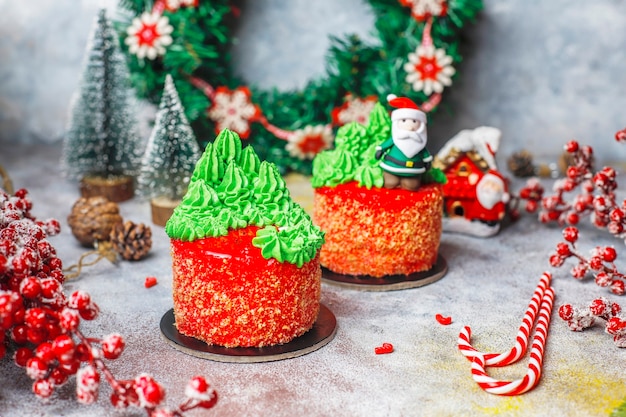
pixel 404 157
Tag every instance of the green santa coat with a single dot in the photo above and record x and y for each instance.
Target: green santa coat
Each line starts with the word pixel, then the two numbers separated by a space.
pixel 397 163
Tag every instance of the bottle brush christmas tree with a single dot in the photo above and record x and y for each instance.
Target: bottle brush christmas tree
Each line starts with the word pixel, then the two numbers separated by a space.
pixel 170 157
pixel 101 147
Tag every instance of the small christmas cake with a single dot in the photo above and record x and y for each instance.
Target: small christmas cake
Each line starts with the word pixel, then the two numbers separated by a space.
pixel 245 257
pixel 377 199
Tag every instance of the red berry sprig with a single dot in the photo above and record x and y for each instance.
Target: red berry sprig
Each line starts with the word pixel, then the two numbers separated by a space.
pixel 600 311
pixel 40 324
pixel 601 263
pixel 595 196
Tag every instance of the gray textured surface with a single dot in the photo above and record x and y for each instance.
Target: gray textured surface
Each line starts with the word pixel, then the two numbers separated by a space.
pixel 542 72
pixel 488 286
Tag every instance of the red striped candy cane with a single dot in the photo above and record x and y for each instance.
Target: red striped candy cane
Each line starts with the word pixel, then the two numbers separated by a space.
pixel 521 340
pixel 530 380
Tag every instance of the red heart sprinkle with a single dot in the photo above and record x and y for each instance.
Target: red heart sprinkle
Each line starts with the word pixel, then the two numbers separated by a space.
pixel 385 348
pixel 443 320
pixel 150 282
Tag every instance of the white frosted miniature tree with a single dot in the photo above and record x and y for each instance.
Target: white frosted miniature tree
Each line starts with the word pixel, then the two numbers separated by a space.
pixel 102 138
pixel 172 150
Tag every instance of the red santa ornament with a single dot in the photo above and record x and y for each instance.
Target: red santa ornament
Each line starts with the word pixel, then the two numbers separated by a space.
pixel 476 195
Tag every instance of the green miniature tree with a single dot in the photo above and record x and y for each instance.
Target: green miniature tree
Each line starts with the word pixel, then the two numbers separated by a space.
pixel 101 139
pixel 170 156
pixel 172 150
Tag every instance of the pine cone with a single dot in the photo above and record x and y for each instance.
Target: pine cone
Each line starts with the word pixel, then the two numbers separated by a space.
pixel 521 164
pixel 92 219
pixel 132 241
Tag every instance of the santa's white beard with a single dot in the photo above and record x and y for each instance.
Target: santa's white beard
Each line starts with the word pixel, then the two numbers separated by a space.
pixel 490 191
pixel 410 142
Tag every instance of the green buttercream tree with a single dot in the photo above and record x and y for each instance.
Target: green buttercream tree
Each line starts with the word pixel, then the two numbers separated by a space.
pixel 232 189
pixel 170 156
pixel 102 145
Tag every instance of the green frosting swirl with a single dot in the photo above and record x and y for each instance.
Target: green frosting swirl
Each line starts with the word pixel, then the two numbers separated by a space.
pixel 210 167
pixel 333 167
pixel 250 162
pixel 353 156
pixel 232 189
pixel 228 146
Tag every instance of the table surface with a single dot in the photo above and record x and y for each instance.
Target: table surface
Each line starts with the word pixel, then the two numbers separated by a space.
pixel 488 286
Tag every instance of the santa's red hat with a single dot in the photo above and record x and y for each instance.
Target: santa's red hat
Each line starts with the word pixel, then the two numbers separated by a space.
pixel 405 109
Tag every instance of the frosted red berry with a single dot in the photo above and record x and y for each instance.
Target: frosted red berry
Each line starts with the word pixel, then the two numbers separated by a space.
pixel 36 368
pixel 595 263
pixel 19 334
pixel 30 287
pixel 566 312
pixel 69 319
pixel 614 325
pixel 89 312
pixel 598 307
pixel 571 146
pixel 43 388
pixel 45 352
pixel 112 346
pixel 570 234
pixel 150 393
pixel 557 260
pixel 617 287
pixel 58 377
pixel 63 347
pixel 573 218
pixel 22 355
pixel 79 300
pixel 562 249
pixel 50 287
pixel 603 279
pixel 579 271
pixel 35 317
pixel 609 254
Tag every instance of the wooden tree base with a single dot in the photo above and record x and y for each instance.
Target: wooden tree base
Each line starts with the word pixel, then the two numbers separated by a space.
pixel 162 209
pixel 116 189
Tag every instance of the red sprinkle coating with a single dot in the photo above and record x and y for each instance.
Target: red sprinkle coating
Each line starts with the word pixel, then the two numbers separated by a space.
pixel 226 293
pixel 379 232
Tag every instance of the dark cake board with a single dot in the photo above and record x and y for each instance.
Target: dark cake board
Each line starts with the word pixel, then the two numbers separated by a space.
pixel 322 332
pixel 388 282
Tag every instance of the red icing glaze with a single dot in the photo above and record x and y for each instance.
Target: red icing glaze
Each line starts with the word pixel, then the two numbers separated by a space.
pixel 226 293
pixel 379 232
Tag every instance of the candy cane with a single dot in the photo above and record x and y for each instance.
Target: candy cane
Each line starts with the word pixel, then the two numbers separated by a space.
pixel 530 380
pixel 521 340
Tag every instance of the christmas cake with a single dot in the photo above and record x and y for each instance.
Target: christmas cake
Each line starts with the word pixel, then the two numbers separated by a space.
pixel 245 257
pixel 377 199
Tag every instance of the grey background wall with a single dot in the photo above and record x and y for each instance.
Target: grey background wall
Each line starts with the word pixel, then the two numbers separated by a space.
pixel 544 72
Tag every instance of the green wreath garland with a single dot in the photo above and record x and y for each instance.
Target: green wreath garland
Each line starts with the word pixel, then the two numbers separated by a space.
pixel 191 39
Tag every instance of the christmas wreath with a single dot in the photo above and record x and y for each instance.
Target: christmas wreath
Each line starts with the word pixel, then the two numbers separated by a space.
pixel 417 49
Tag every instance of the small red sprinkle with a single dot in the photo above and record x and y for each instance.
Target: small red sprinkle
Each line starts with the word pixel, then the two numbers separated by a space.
pixel 443 320
pixel 150 282
pixel 385 348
